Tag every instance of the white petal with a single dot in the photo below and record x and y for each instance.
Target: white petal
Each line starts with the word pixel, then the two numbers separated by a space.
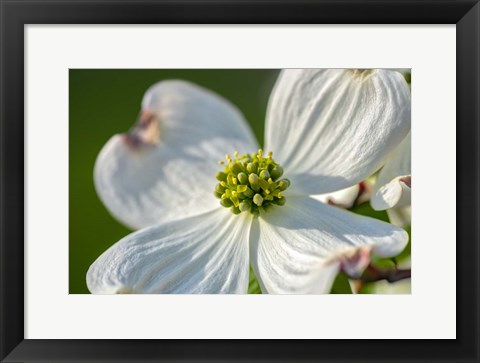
pixel 205 254
pixel 393 185
pixel 400 216
pixel 395 193
pixel 343 198
pixel 332 128
pixel 166 169
pixel 354 263
pixel 300 247
pixel 403 71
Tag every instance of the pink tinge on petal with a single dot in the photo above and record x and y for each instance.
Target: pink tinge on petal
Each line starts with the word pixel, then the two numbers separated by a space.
pixel 407 180
pixel 333 203
pixel 146 118
pixel 343 198
pixel 348 200
pixel 365 192
pixel 132 140
pixel 354 262
pixel 145 132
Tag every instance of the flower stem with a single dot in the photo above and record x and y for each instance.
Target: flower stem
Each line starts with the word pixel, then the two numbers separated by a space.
pixel 373 274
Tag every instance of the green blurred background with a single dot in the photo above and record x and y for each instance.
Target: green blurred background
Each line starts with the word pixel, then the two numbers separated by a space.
pixel 106 102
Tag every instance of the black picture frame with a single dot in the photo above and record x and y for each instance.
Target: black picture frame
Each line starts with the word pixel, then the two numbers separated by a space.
pixel 16 13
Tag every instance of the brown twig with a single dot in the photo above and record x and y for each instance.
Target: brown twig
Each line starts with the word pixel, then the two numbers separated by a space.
pixel 373 274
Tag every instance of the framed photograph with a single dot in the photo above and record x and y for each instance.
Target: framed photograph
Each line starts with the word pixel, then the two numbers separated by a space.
pixel 198 131
pixel 233 181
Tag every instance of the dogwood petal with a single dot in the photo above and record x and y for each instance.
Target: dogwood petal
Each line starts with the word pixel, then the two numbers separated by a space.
pixel 165 167
pixel 393 185
pixel 343 198
pixel 204 254
pixel 332 128
pixel 300 247
pixel 403 71
pixel 400 216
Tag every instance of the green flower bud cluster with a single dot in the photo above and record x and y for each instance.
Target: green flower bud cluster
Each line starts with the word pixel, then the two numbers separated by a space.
pixel 251 183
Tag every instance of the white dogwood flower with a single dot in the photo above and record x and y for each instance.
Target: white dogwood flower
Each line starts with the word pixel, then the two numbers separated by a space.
pixel 328 130
pixel 392 190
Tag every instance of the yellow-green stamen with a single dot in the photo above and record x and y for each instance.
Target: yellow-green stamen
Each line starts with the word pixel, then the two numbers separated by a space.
pixel 251 183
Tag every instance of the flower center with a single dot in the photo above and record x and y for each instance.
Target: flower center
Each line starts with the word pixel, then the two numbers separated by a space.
pixel 251 183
